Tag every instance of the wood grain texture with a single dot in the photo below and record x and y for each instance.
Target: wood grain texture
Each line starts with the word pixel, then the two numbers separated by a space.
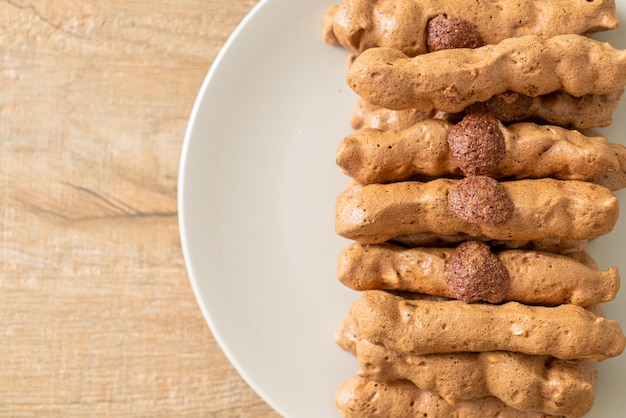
pixel 97 317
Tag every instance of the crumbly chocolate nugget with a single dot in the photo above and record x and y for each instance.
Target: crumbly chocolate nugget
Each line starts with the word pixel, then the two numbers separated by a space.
pixel 421 327
pixel 535 278
pixel 451 80
pixel 445 32
pixel 359 397
pixel 480 200
pixel 542 208
pixel 473 273
pixel 477 144
pixel 436 148
pixel 542 383
pixel 402 24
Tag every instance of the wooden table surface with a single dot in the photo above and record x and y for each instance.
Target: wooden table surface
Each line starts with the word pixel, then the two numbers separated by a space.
pixel 97 316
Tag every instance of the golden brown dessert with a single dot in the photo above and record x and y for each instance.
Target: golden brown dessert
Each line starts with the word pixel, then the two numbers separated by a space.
pixel 558 108
pixel 541 384
pixel 403 24
pixel 551 245
pixel 535 277
pixel 451 80
pixel 480 145
pixel 359 397
pixel 542 208
pixel 420 327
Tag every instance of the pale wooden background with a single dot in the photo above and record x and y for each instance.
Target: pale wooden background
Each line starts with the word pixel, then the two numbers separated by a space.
pixel 97 317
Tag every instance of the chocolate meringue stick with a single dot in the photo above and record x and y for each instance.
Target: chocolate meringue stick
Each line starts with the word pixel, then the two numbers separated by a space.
pixel 359 397
pixel 451 80
pixel 420 327
pixel 404 24
pixel 551 245
pixel 542 208
pixel 542 383
pixel 535 277
pixel 479 144
pixel 558 108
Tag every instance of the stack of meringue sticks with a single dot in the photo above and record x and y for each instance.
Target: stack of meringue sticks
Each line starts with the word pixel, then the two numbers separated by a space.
pixel 476 187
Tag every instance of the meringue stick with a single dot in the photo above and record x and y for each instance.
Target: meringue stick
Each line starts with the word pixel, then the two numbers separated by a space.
pixel 551 245
pixel 361 24
pixel 535 277
pixel 451 80
pixel 513 210
pixel 558 108
pixel 437 148
pixel 542 383
pixel 419 327
pixel 359 397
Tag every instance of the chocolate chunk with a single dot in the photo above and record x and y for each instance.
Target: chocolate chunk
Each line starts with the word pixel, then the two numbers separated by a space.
pixel 474 273
pixel 480 199
pixel 477 144
pixel 445 32
pixel 506 107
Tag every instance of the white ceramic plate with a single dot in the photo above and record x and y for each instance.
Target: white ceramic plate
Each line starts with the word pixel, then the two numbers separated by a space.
pixel 256 204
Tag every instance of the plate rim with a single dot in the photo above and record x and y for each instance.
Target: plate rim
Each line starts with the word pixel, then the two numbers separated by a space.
pixel 201 96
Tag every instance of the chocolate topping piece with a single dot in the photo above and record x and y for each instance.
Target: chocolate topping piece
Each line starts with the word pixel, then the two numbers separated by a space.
pixel 474 273
pixel 479 199
pixel 506 107
pixel 445 32
pixel 477 144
